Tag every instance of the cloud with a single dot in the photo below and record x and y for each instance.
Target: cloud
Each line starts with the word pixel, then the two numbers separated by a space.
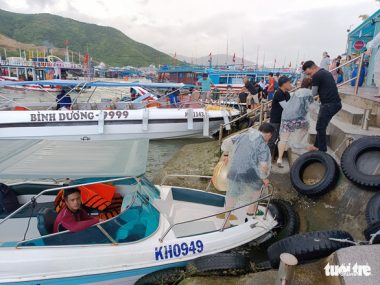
pixel 280 29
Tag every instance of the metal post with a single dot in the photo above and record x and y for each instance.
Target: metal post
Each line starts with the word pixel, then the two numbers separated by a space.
pixel 366 118
pixel 286 270
pixel 220 134
pixel 261 113
pixel 265 113
pixel 358 75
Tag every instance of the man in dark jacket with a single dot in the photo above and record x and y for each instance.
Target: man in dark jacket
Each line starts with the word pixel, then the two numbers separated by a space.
pixel 324 85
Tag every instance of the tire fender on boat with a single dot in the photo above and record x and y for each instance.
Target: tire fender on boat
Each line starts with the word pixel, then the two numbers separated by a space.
pixel 167 276
pixel 287 219
pixel 219 264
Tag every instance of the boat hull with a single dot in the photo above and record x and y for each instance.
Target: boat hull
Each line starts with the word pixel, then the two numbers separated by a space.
pixel 125 263
pixel 111 125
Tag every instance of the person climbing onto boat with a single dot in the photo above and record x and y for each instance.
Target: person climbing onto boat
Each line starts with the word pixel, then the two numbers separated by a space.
pixel 294 116
pixel 281 96
pixel 73 217
pixel 250 164
pixel 324 85
pixel 206 84
pixel 63 99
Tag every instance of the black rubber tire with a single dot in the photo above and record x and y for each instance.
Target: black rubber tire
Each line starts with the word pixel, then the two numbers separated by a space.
pixel 219 264
pixel 308 246
pixel 372 211
pixel 371 229
pixel 287 218
pixel 326 184
pixel 168 276
pixel 349 163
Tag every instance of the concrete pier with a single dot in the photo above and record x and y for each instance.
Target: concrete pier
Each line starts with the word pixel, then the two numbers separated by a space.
pixel 355 265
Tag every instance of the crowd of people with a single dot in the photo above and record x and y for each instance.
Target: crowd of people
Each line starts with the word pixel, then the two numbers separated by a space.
pixel 250 154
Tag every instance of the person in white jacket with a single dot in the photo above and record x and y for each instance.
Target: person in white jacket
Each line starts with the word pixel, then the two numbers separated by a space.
pixel 373 50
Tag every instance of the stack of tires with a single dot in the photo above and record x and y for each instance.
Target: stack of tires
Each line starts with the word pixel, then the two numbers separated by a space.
pixel 349 165
pixel 314 245
pixel 366 180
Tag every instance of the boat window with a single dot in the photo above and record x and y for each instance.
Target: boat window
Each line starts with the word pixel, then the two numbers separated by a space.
pixel 13 72
pixel 4 71
pixel 138 221
pixel 29 73
pixel 21 73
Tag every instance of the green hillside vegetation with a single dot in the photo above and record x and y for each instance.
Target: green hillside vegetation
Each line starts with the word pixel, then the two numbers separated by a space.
pixel 103 43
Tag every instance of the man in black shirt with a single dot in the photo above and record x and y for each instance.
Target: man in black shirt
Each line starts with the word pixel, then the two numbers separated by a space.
pixel 281 96
pixel 323 85
pixel 242 99
pixel 253 97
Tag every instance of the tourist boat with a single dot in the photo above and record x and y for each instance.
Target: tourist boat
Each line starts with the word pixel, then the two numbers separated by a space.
pixel 220 76
pixel 159 227
pixel 109 120
pixel 18 69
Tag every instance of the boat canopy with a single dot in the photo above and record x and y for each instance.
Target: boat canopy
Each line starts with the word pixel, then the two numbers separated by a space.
pixel 81 83
pixel 36 159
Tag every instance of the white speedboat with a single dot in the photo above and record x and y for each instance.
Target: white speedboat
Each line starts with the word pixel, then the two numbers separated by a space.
pixel 159 227
pixel 110 120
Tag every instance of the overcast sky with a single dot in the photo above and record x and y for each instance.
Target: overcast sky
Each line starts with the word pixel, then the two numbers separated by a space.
pixel 281 29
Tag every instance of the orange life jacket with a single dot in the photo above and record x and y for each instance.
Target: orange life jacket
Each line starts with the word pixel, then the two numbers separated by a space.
pixel 113 209
pixel 95 196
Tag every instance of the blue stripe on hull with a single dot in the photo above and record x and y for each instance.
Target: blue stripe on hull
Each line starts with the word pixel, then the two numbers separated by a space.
pixel 99 277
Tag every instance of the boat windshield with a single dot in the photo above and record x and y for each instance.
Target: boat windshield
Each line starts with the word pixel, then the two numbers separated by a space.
pixel 138 220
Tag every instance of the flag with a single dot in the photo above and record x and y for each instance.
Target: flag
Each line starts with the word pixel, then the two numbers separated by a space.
pixel 290 64
pixel 175 59
pixel 209 57
pixel 85 60
pixel 233 58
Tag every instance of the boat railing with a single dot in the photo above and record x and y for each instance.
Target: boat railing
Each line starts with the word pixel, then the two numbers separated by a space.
pixel 166 176
pixel 260 112
pixel 33 200
pixel 262 197
pixel 23 62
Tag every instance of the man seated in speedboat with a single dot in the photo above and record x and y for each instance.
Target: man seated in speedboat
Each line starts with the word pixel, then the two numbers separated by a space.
pixel 73 217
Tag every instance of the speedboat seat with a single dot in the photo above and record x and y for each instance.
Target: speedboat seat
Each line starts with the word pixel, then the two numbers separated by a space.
pixel 45 221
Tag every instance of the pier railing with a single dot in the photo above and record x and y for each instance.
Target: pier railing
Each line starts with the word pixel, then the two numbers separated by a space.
pixel 260 112
pixel 357 77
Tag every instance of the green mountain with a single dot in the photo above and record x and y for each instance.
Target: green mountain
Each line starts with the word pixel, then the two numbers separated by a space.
pixel 103 43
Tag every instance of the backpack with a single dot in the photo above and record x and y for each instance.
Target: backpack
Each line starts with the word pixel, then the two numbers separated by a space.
pixel 8 199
